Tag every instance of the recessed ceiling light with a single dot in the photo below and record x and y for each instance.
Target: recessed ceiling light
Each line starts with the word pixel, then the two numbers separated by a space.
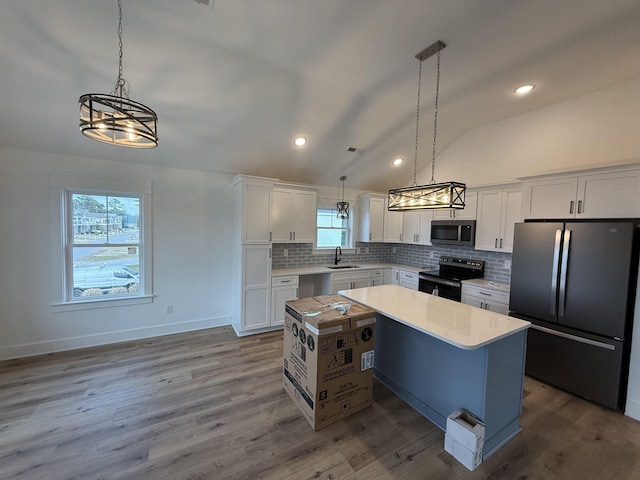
pixel 524 89
pixel 397 161
pixel 300 141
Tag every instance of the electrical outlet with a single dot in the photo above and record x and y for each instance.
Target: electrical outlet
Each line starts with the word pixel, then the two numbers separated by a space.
pixel 507 264
pixel 393 250
pixel 285 252
pixel 431 254
pixel 358 251
pixel 168 309
pixel 366 249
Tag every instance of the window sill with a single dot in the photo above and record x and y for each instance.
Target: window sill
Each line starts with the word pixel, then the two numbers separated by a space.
pixel 332 251
pixel 102 303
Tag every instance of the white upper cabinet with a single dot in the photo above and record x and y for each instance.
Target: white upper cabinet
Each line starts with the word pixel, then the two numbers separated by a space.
pixel 293 215
pixel 416 227
pixel 499 210
pixel 371 214
pixel 252 209
pixel 467 213
pixel 606 194
pixel 392 225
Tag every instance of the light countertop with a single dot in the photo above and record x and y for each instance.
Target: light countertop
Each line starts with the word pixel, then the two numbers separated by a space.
pixel 489 284
pixel 320 269
pixel 461 325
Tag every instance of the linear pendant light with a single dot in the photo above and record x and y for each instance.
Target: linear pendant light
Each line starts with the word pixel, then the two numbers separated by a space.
pixel 434 195
pixel 116 119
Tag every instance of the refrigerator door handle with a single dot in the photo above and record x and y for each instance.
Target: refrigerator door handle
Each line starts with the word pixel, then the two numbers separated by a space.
pixel 575 338
pixel 554 273
pixel 563 273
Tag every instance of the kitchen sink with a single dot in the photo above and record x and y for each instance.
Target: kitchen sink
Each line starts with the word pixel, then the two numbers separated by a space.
pixel 340 267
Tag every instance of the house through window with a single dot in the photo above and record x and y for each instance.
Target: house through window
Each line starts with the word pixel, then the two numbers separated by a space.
pixel 103 246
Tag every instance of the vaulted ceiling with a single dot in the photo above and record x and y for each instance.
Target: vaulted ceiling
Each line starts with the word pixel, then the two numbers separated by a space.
pixel 233 81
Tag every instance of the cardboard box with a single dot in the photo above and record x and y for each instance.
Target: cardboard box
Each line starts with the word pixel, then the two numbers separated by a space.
pixel 464 438
pixel 328 357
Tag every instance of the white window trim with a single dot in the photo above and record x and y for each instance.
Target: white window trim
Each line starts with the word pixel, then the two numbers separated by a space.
pixel 328 202
pixel 59 184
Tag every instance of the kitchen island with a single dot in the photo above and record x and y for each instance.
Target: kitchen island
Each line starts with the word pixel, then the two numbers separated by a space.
pixel 440 356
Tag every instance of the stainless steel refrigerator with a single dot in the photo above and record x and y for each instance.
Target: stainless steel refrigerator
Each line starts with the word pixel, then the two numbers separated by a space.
pixel 576 283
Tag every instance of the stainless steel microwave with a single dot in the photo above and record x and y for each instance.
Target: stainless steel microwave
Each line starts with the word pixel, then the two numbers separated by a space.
pixel 453 232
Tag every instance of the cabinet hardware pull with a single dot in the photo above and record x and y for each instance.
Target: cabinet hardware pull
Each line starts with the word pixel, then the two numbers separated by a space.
pixel 270 236
pixel 294 236
pixel 269 253
pixel 500 243
pixel 484 293
pixel 571 207
pixel 369 236
pixel 579 206
pixel 296 292
pixel 289 281
pixel 495 243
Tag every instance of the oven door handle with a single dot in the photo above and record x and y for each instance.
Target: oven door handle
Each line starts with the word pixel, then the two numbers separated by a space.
pixel 440 281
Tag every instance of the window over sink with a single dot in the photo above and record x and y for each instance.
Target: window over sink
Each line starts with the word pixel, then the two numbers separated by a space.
pixel 332 231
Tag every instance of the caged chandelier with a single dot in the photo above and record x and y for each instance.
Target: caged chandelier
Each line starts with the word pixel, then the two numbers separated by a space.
pixel 434 195
pixel 116 119
pixel 343 207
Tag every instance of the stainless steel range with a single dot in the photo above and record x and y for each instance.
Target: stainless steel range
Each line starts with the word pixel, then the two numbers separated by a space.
pixel 446 282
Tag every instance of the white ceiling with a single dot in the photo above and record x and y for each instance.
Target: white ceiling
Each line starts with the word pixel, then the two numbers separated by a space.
pixel 233 84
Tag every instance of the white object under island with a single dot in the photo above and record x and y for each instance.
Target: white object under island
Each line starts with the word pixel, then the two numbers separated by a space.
pixel 440 356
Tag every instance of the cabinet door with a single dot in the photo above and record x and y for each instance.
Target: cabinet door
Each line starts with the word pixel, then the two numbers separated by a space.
pixel 256 213
pixel 303 216
pixel 281 215
pixel 279 296
pixel 550 198
pixel 609 195
pixel 361 283
pixel 467 213
pixel 511 214
pixel 424 227
pixel 256 266
pixel 410 226
pixel 376 219
pixel 488 221
pixel 395 277
pixel 392 225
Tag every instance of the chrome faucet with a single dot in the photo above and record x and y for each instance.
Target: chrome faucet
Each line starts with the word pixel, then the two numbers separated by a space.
pixel 338 252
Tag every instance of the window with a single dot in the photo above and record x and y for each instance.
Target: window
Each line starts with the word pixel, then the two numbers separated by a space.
pixel 102 235
pixel 332 231
pixel 103 246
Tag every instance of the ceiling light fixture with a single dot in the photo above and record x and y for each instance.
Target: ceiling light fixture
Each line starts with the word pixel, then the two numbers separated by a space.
pixel 300 141
pixel 343 207
pixel 435 195
pixel 524 89
pixel 116 119
pixel 397 161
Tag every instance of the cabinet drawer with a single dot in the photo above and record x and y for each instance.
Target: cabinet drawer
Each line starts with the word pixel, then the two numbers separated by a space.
pixel 284 281
pixel 377 273
pixel 486 293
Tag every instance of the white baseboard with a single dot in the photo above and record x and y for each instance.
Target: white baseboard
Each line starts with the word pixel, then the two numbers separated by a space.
pixel 72 343
pixel 632 408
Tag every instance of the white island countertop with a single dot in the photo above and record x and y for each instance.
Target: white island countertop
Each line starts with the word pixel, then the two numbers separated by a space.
pixel 458 324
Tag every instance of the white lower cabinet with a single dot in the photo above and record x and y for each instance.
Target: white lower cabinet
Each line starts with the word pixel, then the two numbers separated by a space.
pixel 377 277
pixel 283 289
pixel 404 278
pixel 486 298
pixel 349 280
pixel 256 291
pixel 408 279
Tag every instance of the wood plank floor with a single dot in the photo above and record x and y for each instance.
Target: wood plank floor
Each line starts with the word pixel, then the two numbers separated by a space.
pixel 207 405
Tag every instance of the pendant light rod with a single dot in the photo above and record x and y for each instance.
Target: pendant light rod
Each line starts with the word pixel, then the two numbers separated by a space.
pixel 115 118
pixel 434 195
